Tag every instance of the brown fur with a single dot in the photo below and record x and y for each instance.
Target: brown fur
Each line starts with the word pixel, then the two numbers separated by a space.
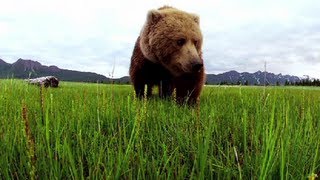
pixel 159 58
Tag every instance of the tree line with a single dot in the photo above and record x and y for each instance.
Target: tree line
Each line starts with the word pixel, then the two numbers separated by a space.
pixel 303 82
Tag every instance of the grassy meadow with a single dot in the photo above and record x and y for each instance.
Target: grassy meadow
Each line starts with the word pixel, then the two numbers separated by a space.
pixel 96 131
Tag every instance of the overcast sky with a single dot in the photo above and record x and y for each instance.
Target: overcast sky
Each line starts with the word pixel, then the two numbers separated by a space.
pixel 97 35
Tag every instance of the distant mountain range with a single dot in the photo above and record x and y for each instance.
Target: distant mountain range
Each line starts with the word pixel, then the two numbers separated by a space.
pixel 257 78
pixel 24 69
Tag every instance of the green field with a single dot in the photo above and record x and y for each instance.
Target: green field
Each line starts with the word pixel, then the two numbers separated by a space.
pixel 97 131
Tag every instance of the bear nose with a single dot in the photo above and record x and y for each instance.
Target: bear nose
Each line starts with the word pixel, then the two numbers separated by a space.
pixel 196 67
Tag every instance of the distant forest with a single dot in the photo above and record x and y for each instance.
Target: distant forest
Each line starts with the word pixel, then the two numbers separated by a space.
pixel 303 82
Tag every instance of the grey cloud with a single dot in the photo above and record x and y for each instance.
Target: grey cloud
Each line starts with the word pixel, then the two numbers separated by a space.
pixel 247 47
pixel 109 37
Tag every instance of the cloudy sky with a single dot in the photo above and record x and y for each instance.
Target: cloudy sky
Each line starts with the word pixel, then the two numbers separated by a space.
pixel 99 35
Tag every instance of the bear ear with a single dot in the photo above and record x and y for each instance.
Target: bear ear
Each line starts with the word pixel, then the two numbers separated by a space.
pixel 196 18
pixel 154 16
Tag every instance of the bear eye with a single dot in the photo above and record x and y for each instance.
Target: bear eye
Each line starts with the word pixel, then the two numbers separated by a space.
pixel 181 42
pixel 195 43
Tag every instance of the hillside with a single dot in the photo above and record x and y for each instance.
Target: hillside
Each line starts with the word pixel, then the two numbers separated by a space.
pixel 23 69
pixel 257 78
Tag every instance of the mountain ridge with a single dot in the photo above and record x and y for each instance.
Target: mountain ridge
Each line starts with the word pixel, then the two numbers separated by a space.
pixel 26 68
pixel 256 78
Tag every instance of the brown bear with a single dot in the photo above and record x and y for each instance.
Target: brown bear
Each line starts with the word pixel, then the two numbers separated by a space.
pixel 168 54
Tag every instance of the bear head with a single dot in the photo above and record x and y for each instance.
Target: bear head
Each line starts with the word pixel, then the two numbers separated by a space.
pixel 172 38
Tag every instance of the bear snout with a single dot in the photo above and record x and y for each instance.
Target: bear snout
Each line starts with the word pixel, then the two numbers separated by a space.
pixel 196 67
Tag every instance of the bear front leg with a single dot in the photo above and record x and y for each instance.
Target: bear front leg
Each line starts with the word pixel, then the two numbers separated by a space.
pixel 189 88
pixel 149 90
pixel 165 89
pixel 185 96
pixel 139 89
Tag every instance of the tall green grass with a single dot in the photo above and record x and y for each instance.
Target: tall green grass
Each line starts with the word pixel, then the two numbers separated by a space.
pixel 96 131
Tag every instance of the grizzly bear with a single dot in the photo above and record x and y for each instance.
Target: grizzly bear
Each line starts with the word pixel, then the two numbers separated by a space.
pixel 168 54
